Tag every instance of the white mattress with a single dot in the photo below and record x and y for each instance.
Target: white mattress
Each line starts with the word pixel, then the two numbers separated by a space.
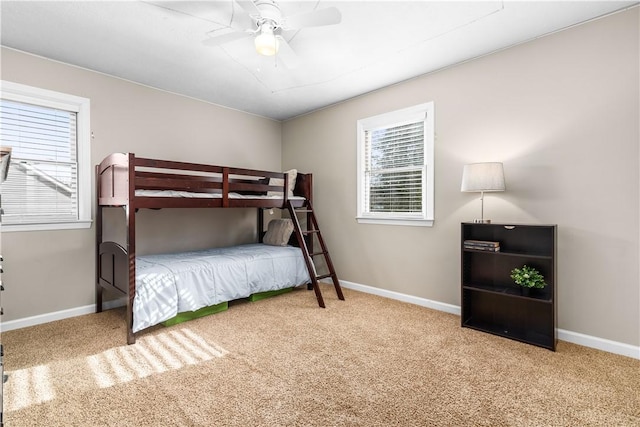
pixel 187 194
pixel 169 284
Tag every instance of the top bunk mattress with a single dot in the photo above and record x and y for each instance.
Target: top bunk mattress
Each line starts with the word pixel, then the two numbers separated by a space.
pixel 188 194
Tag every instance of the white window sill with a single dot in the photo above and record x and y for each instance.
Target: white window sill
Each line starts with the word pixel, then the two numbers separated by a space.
pixel 6 228
pixel 396 221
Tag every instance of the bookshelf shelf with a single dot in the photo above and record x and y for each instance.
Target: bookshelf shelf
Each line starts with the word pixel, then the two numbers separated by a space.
pixel 514 254
pixel 491 302
pixel 508 291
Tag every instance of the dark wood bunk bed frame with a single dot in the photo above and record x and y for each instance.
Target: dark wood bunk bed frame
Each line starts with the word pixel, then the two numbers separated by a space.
pixel 119 175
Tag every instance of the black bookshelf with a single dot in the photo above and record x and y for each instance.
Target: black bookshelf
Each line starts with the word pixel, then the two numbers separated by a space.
pixel 491 302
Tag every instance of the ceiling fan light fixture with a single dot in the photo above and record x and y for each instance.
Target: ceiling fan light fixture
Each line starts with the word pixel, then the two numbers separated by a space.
pixel 266 42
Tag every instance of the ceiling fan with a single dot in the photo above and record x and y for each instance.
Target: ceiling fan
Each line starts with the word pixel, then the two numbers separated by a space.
pixel 263 20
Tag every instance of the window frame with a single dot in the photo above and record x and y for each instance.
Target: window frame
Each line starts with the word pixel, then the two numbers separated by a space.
pixel 422 112
pixel 81 106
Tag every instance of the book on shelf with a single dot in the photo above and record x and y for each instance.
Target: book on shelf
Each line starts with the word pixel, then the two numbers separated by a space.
pixel 482 248
pixel 482 245
pixel 488 243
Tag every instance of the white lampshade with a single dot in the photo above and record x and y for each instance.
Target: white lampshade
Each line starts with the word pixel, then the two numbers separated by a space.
pixel 266 42
pixel 483 177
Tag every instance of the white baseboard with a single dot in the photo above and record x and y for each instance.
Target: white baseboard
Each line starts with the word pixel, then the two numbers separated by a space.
pixel 564 335
pixel 599 343
pixel 58 315
pixel 423 302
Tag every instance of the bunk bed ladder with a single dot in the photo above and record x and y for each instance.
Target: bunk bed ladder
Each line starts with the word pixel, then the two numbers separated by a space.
pixel 305 241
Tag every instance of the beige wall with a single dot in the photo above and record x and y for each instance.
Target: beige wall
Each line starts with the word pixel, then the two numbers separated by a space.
pixel 54 270
pixel 562 113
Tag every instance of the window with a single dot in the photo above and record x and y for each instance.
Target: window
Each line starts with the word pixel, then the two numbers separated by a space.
pixel 48 186
pixel 395 167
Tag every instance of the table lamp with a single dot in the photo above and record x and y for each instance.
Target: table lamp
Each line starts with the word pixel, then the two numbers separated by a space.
pixel 481 178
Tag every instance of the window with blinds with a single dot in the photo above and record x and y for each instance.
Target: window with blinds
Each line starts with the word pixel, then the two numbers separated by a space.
pixel 394 185
pixel 44 182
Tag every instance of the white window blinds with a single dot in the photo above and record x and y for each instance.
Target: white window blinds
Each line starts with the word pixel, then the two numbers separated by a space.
pixel 42 183
pixel 394 168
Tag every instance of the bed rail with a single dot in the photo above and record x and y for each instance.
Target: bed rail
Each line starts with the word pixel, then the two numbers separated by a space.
pixel 117 171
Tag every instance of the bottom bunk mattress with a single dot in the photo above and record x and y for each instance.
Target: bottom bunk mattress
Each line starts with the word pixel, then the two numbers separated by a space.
pixel 169 284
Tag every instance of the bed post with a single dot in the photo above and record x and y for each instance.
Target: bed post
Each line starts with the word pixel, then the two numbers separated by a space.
pixel 98 241
pixel 285 190
pixel 260 224
pixel 131 248
pixel 308 194
pixel 225 187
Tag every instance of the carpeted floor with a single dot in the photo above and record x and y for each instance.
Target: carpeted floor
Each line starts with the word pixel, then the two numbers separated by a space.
pixel 366 361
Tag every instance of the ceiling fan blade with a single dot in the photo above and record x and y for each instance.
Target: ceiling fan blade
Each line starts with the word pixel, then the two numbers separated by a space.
pixel 249 7
pixel 242 21
pixel 226 38
pixel 315 18
pixel 286 54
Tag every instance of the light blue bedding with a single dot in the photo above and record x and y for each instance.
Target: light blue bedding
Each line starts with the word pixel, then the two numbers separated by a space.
pixel 169 284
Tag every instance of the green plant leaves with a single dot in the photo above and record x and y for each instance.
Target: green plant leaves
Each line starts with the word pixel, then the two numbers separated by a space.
pixel 528 277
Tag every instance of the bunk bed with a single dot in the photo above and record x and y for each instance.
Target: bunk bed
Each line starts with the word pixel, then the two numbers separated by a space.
pixel 152 283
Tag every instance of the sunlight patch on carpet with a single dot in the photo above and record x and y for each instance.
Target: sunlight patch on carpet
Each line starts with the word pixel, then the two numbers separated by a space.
pixel 152 354
pixel 27 387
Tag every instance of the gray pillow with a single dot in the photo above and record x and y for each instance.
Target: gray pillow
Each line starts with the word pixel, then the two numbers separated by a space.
pixel 278 232
pixel 291 181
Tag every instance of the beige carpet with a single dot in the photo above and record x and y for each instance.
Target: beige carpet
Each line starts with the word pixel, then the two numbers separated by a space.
pixel 366 361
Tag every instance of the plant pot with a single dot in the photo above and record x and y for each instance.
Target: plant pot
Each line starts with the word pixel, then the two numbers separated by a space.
pixel 525 292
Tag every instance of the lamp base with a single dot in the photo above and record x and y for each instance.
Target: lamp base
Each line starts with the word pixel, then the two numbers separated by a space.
pixel 482 221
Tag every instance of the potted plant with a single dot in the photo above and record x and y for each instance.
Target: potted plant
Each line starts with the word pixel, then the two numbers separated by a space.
pixel 528 278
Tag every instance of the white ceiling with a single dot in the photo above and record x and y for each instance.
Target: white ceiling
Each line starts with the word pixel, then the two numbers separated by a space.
pixel 377 44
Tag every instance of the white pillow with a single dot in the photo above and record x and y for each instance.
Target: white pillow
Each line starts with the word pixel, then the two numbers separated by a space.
pixel 291 179
pixel 278 232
